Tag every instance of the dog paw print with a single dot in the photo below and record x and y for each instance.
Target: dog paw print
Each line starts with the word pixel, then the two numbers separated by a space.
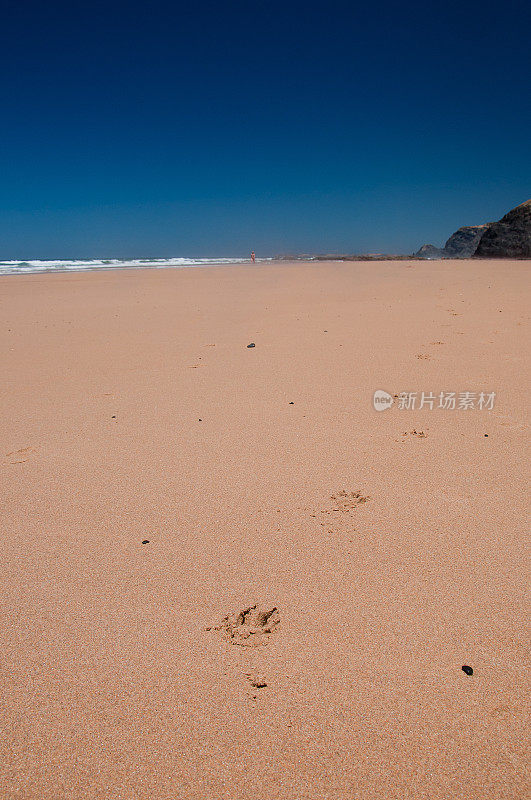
pixel 348 501
pixel 250 627
pixel 414 432
pixel 20 456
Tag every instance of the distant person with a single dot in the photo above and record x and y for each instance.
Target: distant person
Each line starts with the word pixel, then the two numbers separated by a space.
pixel 253 257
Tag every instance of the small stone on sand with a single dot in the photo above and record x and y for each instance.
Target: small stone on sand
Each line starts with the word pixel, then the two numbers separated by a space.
pixel 467 670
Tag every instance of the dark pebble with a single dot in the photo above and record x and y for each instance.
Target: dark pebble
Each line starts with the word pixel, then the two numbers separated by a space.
pixel 467 670
pixel 251 345
pixel 200 420
pixel 291 403
pixel 486 434
pixel 146 541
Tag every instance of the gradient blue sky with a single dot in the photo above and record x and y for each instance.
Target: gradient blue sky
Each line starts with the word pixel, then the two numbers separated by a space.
pixel 159 129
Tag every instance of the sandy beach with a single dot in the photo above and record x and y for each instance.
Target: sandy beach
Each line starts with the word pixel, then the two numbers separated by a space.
pixel 392 543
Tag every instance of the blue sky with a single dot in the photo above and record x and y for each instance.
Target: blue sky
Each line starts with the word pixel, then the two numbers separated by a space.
pixel 131 129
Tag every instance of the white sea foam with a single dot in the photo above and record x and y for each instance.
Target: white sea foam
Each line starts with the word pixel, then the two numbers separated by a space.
pixel 67 265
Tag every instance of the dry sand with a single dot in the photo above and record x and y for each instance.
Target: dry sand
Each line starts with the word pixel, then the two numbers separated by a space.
pixel 111 687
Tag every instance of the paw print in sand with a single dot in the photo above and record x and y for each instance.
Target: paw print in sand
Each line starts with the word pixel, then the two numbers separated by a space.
pixel 348 501
pixel 20 456
pixel 251 627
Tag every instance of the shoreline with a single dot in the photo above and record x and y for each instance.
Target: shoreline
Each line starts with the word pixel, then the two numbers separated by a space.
pixel 260 262
pixel 35 270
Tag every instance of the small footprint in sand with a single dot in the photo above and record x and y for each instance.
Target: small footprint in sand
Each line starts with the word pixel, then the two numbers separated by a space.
pixel 436 342
pixel 423 355
pixel 419 434
pixel 251 627
pixel 19 454
pixel 348 501
pixel 257 681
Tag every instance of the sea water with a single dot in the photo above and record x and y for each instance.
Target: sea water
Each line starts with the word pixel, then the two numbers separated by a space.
pixel 76 265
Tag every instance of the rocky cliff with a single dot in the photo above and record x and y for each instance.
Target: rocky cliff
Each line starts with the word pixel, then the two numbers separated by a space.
pixel 510 237
pixel 463 243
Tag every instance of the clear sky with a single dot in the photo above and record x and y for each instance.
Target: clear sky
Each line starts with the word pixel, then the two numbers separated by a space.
pixel 135 129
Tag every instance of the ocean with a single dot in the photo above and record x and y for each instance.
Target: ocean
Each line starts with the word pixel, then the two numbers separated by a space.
pixel 76 265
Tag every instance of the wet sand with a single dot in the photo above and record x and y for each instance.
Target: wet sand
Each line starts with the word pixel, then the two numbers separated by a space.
pixel 133 410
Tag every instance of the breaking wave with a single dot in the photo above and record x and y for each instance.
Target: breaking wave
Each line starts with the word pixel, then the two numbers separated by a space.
pixel 67 265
